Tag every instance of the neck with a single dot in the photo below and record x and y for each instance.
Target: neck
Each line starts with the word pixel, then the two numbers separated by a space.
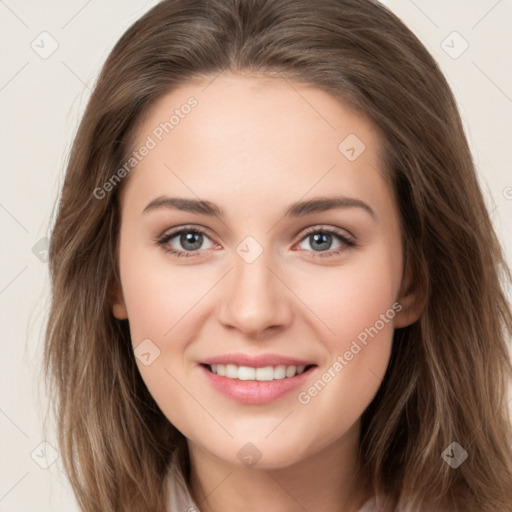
pixel 326 480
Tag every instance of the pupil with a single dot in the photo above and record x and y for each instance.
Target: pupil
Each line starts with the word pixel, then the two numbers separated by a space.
pixel 194 239
pixel 322 239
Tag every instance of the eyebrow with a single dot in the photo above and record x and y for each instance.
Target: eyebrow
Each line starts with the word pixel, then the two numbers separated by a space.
pixel 298 209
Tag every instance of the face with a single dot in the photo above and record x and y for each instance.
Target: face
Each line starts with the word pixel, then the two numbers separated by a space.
pixel 291 302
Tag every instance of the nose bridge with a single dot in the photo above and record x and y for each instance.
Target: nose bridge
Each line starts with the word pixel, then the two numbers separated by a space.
pixel 256 298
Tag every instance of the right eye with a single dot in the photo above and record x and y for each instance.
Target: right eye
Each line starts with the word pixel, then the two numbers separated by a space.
pixel 191 239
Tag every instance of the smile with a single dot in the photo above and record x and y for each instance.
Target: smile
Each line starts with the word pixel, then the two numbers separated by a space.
pixel 265 373
pixel 256 380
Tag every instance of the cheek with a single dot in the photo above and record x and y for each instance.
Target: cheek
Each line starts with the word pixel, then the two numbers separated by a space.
pixel 158 294
pixel 359 354
pixel 162 304
pixel 165 304
pixel 353 297
pixel 357 309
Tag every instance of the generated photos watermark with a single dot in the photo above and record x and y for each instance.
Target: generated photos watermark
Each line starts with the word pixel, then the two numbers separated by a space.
pixel 305 397
pixel 152 140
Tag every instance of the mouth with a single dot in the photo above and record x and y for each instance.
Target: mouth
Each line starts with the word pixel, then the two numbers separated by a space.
pixel 256 384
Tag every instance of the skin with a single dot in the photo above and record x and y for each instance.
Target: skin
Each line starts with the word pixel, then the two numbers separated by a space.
pixel 254 145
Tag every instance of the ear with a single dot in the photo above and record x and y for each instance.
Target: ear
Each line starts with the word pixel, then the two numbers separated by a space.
pixel 117 301
pixel 412 297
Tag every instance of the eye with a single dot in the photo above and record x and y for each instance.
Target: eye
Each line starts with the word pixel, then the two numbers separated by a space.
pixel 191 239
pixel 320 239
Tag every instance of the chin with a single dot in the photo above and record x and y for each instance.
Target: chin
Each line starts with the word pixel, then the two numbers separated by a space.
pixel 265 454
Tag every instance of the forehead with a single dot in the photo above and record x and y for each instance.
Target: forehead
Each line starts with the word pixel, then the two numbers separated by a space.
pixel 253 139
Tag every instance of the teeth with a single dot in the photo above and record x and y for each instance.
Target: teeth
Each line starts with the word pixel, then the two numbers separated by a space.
pixel 246 373
pixel 291 371
pixel 232 371
pixel 279 372
pixel 265 373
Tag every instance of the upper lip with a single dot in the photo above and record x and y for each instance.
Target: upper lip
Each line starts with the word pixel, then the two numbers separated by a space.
pixel 256 361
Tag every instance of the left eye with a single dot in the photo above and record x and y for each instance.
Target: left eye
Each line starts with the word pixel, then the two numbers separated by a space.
pixel 191 239
pixel 322 239
pixel 319 237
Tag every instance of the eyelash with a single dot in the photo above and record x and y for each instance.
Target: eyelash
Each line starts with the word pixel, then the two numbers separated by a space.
pixel 348 243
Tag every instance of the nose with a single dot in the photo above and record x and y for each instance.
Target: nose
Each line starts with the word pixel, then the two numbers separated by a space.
pixel 255 299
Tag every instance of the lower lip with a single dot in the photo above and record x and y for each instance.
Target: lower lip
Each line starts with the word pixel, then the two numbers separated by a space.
pixel 255 392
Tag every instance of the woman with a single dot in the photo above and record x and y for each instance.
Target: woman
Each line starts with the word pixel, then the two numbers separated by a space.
pixel 254 369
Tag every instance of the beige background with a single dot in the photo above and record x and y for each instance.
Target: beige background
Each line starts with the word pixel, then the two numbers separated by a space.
pixel 41 100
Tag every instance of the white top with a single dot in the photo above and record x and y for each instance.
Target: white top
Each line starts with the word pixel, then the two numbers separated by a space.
pixel 181 501
pixel 179 495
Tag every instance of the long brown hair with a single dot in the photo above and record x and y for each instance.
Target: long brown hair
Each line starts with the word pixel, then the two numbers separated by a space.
pixel 448 374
